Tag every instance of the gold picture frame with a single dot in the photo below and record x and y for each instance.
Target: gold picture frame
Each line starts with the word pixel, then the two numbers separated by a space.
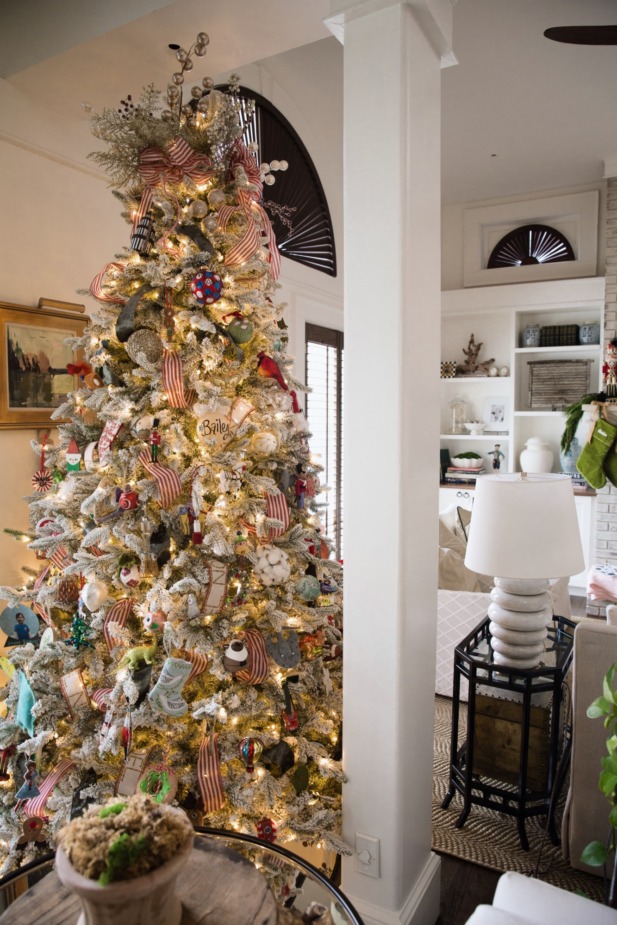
pixel 33 359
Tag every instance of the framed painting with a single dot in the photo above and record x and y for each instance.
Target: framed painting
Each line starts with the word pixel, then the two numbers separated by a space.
pixel 33 360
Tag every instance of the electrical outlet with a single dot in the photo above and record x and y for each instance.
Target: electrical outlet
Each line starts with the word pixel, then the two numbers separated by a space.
pixel 367 855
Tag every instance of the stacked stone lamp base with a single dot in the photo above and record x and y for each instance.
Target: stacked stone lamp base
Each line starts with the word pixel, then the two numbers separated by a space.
pixel 520 611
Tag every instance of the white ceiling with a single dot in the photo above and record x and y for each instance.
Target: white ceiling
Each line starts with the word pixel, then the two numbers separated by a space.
pixel 520 113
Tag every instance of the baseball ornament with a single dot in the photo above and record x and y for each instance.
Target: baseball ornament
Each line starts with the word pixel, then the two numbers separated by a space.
pixel 264 443
pixel 130 576
pixel 272 565
pixel 207 287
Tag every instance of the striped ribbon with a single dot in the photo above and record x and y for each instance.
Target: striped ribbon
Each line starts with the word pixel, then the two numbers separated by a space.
pixel 173 381
pixel 38 608
pixel 101 698
pixel 198 661
pixel 157 167
pixel 110 432
pixel 98 283
pixel 96 551
pixel 242 157
pixel 34 808
pixel 74 691
pixel 60 558
pixel 277 509
pixel 209 777
pixel 40 578
pixel 168 480
pixel 257 670
pixel 118 613
pixel 257 220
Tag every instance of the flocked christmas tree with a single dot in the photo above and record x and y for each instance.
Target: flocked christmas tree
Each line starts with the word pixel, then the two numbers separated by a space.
pixel 193 640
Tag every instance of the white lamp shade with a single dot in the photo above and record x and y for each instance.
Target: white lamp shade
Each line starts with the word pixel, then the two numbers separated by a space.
pixel 524 527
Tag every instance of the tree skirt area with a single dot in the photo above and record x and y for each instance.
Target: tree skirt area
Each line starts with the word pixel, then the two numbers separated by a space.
pixel 490 838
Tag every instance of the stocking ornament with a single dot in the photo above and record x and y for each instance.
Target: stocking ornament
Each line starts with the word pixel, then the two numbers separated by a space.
pixel 165 696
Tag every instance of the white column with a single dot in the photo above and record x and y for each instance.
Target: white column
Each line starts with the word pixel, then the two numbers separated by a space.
pixel 392 59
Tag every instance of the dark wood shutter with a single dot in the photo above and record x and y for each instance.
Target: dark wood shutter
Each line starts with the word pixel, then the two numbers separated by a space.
pixel 324 410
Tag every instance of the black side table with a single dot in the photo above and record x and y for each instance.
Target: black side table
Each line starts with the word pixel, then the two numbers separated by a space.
pixel 508 754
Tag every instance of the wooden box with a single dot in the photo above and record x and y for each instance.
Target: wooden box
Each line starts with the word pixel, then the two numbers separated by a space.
pixel 498 741
pixel 555 384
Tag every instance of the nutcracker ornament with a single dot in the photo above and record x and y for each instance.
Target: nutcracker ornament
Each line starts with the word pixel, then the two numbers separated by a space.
pixel 154 440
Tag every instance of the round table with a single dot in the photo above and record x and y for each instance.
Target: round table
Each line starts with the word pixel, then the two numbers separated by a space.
pixel 222 884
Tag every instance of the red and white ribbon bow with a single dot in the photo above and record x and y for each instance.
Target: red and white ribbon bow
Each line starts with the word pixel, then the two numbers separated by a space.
pixel 117 613
pixel 35 807
pixel 168 479
pixel 157 167
pixel 97 286
pixel 257 219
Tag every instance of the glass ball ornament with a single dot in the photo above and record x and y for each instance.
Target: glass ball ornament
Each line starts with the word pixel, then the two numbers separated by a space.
pixel 203 105
pixel 181 55
pixel 253 147
pixel 275 165
pixel 198 208
pixel 187 110
pixel 188 65
pixel 196 92
pixel 167 115
pixel 210 224
pixel 207 83
pixel 172 92
pixel 203 38
pixel 216 198
pixel 283 165
pixel 269 179
pixel 177 79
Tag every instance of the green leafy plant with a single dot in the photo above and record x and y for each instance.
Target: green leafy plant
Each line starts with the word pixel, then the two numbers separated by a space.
pixel 595 853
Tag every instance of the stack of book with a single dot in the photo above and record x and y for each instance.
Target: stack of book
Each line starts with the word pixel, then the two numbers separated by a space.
pixel 461 475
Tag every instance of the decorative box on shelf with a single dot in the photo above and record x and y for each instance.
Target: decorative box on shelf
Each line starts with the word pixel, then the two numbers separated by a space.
pixel 559 335
pixel 554 384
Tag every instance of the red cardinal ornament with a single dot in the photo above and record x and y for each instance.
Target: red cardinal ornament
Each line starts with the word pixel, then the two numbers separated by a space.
pixel 269 369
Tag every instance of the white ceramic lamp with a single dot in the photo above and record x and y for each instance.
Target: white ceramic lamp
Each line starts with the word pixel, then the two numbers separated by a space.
pixel 524 530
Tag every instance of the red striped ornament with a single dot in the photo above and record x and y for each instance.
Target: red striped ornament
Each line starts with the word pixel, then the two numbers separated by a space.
pixel 277 509
pixel 97 286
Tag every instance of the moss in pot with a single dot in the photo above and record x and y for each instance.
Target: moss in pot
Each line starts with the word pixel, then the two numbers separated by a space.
pixel 122 860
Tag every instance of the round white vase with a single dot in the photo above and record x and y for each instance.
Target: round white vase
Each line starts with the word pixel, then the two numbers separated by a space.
pixel 537 456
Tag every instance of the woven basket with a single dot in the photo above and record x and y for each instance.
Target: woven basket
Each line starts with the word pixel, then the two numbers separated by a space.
pixel 555 384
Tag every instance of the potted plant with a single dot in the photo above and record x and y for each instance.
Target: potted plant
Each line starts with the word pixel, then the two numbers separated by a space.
pixel 122 860
pixel 597 854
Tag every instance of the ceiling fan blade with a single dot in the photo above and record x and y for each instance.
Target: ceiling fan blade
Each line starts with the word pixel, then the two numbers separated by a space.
pixel 583 35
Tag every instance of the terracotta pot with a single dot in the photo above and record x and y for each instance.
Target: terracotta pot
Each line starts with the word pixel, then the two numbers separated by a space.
pixel 147 900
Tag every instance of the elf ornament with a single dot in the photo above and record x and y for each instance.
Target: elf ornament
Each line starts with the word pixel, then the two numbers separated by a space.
pixel 73 456
pixel 207 287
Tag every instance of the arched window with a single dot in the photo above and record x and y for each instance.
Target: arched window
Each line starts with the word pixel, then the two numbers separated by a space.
pixel 530 244
pixel 296 202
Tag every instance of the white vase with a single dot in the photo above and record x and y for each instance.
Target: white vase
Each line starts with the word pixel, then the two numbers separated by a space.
pixel 537 456
pixel 147 900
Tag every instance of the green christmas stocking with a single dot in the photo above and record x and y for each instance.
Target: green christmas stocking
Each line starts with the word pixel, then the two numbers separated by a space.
pixel 592 459
pixel 610 465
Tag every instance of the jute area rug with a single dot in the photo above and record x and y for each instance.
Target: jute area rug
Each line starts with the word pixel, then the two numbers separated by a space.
pixel 490 838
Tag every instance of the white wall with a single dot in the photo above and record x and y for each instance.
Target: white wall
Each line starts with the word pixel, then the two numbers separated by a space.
pixel 452 217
